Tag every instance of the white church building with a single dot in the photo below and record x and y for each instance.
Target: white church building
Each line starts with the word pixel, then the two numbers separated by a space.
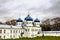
pixel 27 28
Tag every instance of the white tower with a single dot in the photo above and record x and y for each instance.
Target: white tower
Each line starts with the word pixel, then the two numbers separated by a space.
pixel 37 22
pixel 19 22
pixel 28 21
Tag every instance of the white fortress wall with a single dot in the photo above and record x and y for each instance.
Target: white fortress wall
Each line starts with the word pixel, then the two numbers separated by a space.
pixel 49 33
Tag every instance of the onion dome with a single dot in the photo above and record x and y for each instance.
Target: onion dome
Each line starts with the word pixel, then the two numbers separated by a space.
pixel 28 18
pixel 19 20
pixel 36 20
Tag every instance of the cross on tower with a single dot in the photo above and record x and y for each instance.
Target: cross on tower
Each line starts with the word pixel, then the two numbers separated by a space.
pixel 28 12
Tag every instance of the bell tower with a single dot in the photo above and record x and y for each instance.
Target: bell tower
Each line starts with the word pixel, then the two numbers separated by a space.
pixel 37 22
pixel 19 22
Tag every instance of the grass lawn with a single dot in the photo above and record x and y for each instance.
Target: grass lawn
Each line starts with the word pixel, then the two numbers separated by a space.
pixel 37 38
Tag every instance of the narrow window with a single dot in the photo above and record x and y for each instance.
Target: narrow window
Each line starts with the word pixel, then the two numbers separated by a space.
pixel 14 31
pixel 28 29
pixel 4 31
pixel 0 31
pixel 14 36
pixel 10 31
pixel 0 37
pixel 19 31
pixel 4 37
pixel 19 36
pixel 11 36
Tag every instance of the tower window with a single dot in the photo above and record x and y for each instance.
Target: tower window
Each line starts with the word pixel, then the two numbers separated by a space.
pixel 29 22
pixel 19 24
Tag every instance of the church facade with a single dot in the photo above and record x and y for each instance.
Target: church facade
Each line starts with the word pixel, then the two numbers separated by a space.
pixel 27 28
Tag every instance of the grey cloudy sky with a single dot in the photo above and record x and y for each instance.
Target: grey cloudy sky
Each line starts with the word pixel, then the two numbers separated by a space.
pixel 36 8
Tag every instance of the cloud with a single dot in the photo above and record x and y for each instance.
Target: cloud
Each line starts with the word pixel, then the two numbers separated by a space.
pixel 42 8
pixel 55 7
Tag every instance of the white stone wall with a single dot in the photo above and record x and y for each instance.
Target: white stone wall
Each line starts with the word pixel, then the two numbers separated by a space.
pixel 49 33
pixel 29 32
pixel 10 33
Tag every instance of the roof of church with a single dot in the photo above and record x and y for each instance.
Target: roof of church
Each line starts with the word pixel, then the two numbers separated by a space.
pixel 28 18
pixel 19 20
pixel 36 20
pixel 9 26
